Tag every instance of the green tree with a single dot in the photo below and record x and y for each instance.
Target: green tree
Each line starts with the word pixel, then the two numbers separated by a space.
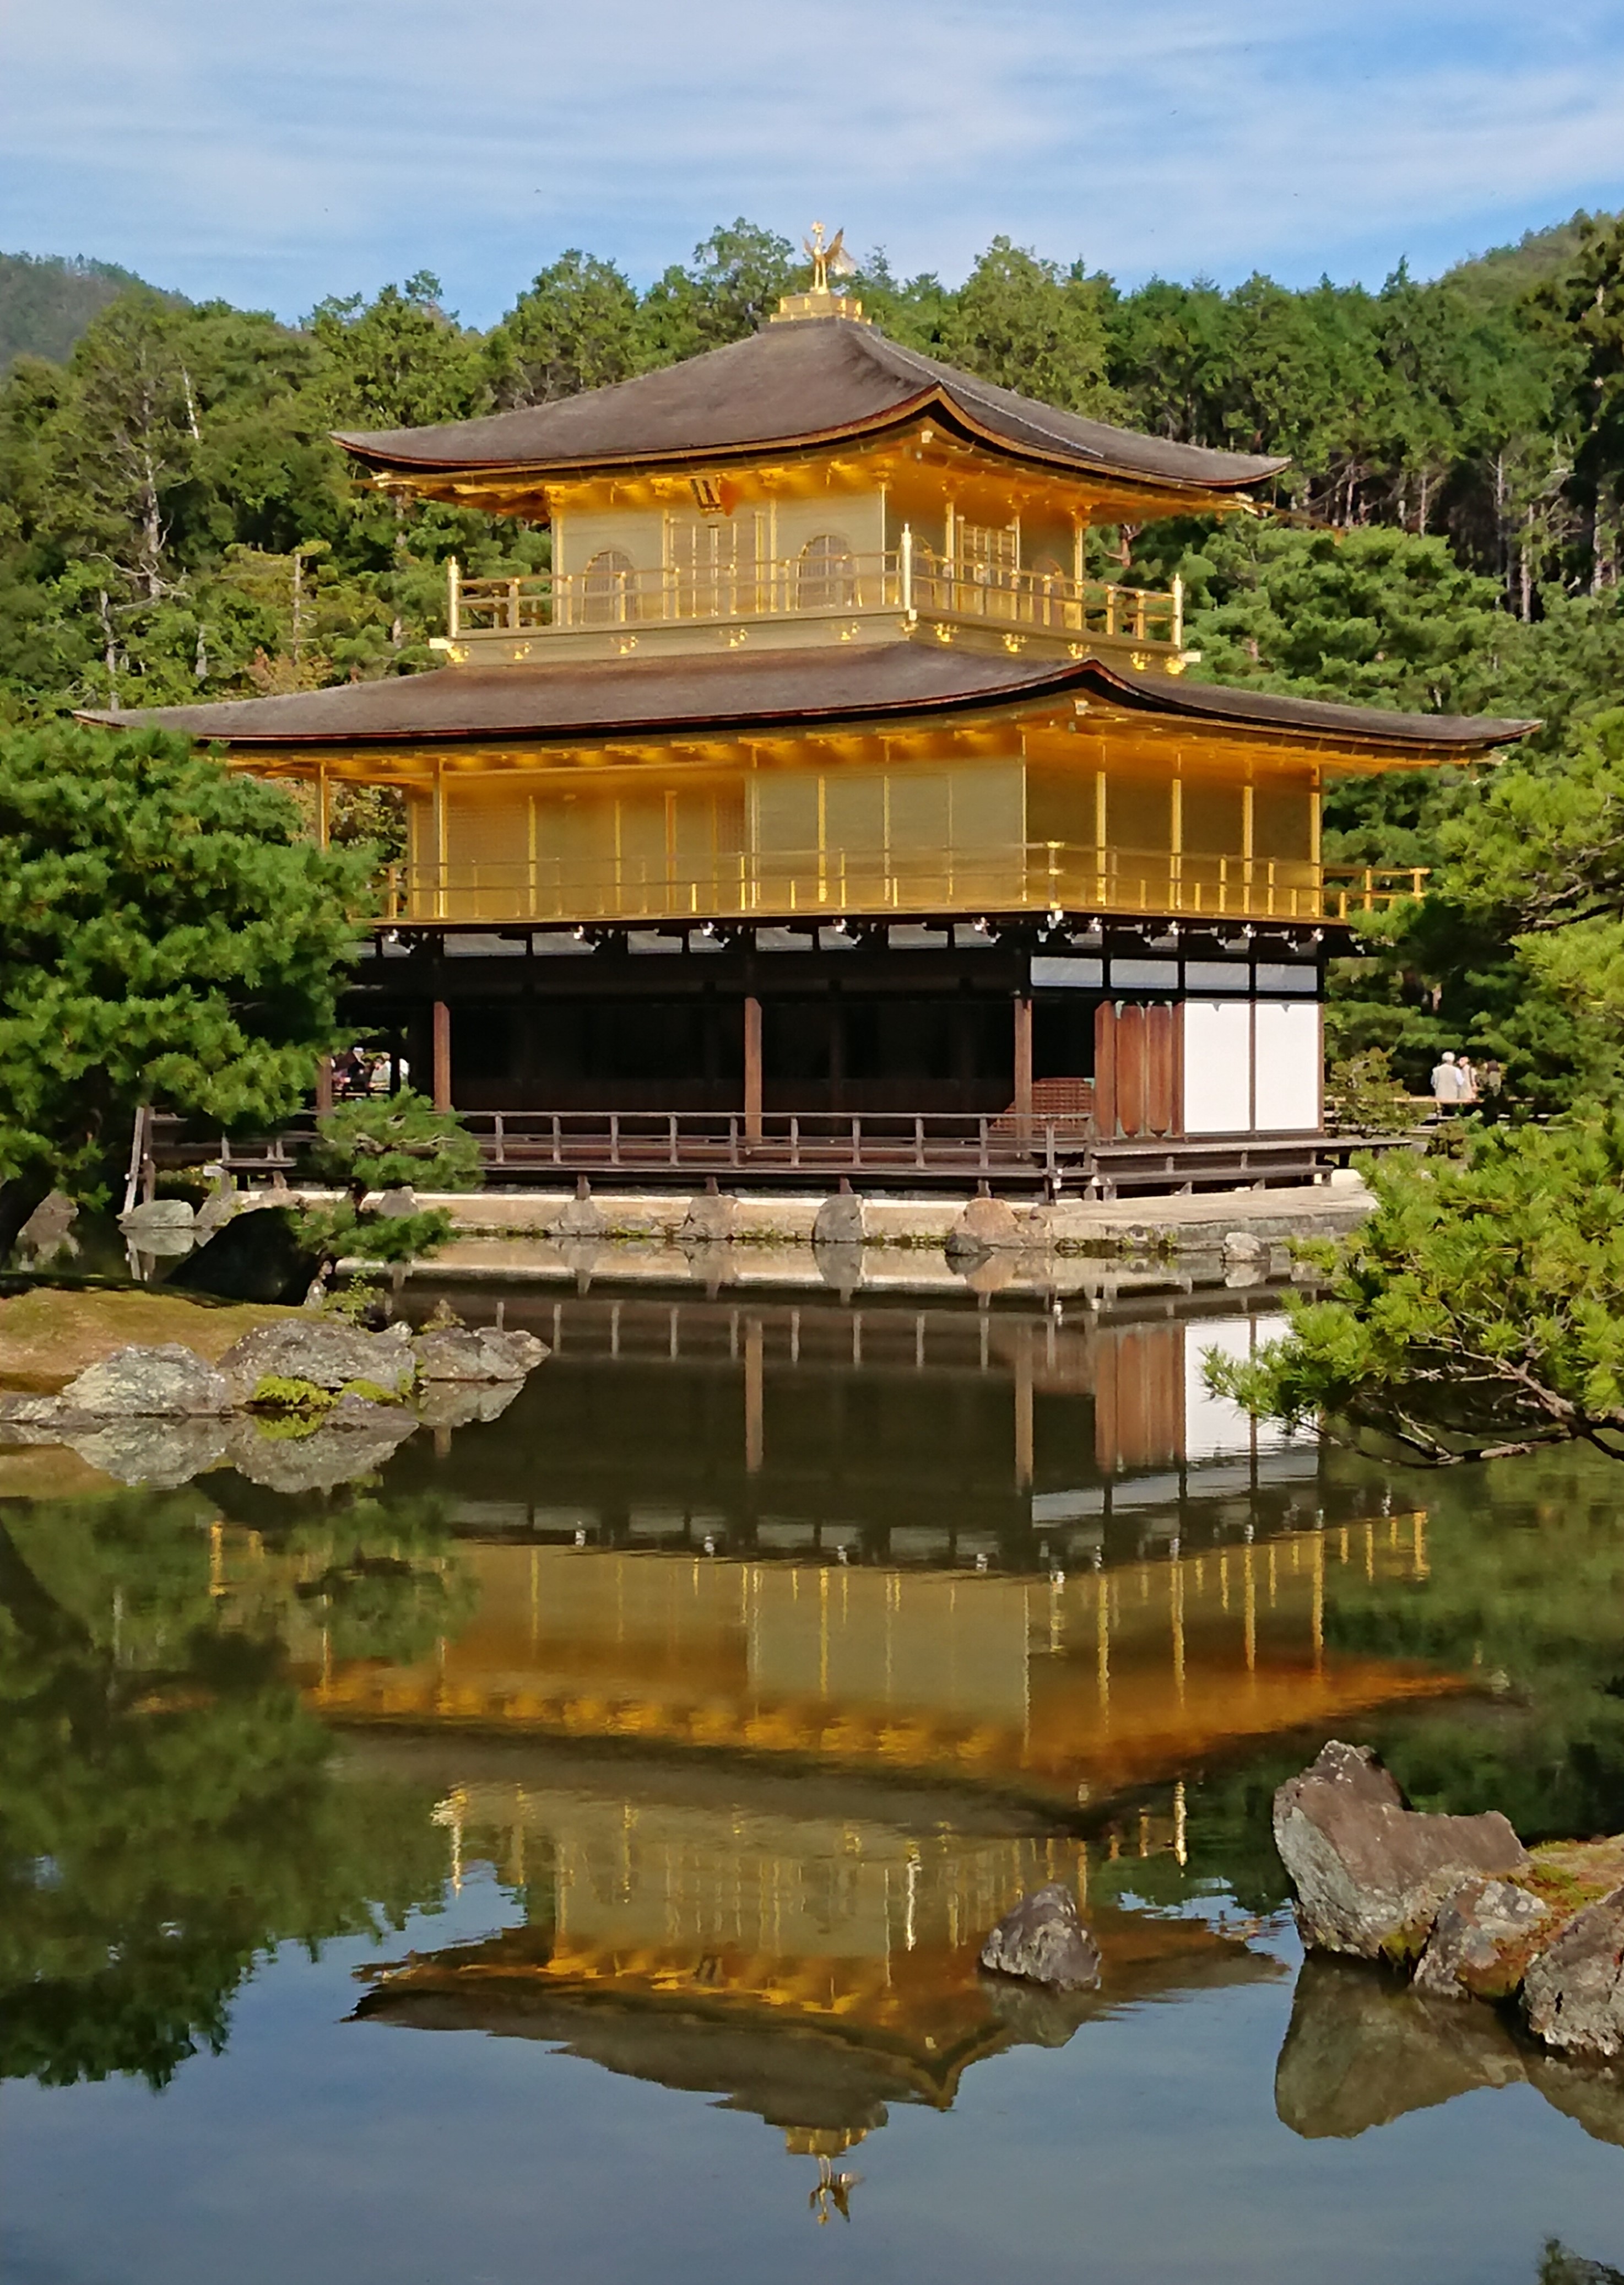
pixel 399 361
pixel 574 328
pixel 168 933
pixel 1478 1311
pixel 1030 325
pixel 730 289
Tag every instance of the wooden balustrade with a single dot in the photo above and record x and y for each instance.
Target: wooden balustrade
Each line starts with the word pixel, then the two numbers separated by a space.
pixel 822 885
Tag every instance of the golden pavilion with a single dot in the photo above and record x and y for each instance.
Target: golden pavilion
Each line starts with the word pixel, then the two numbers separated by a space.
pixel 818 775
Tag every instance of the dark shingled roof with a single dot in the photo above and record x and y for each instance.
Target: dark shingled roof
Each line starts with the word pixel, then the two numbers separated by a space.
pixel 792 384
pixel 605 697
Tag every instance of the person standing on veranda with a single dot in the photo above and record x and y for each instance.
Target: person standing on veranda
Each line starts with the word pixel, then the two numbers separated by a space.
pixel 1447 1090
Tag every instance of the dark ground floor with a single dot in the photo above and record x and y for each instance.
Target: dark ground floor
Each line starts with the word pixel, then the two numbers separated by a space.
pixel 1147 1044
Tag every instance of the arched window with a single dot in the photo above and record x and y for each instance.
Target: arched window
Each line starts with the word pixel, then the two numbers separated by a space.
pixel 608 587
pixel 826 578
pixel 1051 591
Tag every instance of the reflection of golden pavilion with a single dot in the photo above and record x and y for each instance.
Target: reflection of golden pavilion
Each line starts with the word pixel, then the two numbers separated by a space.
pixel 1050 1690
pixel 808 1954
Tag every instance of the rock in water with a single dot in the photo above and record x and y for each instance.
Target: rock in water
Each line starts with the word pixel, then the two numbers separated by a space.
pixel 1370 1874
pixel 46 1231
pixel 839 1220
pixel 257 1256
pixel 163 1383
pixel 1573 1993
pixel 147 1221
pixel 1044 1940
pixel 476 1353
pixel 328 1354
pixel 986 1226
pixel 710 1219
pixel 1485 1934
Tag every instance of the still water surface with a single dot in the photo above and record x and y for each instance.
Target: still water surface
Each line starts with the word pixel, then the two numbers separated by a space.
pixel 565 1854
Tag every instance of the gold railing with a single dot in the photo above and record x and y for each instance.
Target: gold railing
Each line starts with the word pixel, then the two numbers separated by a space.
pixel 908 579
pixel 830 884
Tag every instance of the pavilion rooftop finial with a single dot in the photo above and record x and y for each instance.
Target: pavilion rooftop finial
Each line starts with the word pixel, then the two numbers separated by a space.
pixel 829 259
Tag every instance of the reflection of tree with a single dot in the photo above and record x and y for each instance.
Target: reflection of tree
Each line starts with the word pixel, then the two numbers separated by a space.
pixel 1561 2267
pixel 166 1808
pixel 1525 1566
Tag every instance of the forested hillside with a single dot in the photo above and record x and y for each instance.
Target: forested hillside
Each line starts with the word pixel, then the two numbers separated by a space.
pixel 47 303
pixel 175 522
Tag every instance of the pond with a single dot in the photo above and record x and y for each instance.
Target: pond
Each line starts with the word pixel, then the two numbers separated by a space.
pixel 565 1852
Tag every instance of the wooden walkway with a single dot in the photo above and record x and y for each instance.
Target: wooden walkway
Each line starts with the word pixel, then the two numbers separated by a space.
pixel 869 1150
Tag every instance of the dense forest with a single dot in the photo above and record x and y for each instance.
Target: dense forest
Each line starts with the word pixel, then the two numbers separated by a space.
pixel 175 523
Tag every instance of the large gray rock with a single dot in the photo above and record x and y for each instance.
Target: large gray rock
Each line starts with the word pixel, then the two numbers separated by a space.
pixel 158 1214
pixel 1370 1874
pixel 263 1255
pixel 1573 1991
pixel 398 1205
pixel 710 1219
pixel 321 1350
pixel 1044 1941
pixel 46 1233
pixel 1485 1934
pixel 476 1353
pixel 986 1226
pixel 164 1382
pixel 581 1217
pixel 839 1220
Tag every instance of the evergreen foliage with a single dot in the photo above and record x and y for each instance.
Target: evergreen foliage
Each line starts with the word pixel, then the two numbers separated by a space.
pixel 1478 1312
pixel 168 931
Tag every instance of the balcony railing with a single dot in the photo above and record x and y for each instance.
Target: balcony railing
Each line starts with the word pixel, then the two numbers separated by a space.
pixel 829 884
pixel 906 579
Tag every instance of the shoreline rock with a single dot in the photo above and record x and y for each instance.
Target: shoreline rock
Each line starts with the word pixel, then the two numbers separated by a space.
pixel 1462 1899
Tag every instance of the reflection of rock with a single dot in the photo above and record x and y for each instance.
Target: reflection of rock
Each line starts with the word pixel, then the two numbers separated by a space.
pixel 1362 2050
pixel 840 1265
pixel 990 1273
pixel 1039 2015
pixel 1481 1941
pixel 1044 1941
pixel 1370 1874
pixel 323 1351
pixel 1591 2094
pixel 475 1353
pixel 1573 1993
pixel 161 1453
pixel 353 1439
pixel 458 1404
pixel 138 1382
pixel 260 1256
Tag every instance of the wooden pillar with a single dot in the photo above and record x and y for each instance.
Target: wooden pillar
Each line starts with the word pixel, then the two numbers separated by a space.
pixel 1022 1063
pixel 442 1056
pixel 752 1068
pixel 324 1086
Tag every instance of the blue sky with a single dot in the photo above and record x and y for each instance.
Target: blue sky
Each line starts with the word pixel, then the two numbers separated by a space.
pixel 273 151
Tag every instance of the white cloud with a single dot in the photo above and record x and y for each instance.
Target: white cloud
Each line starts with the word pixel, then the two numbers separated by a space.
pixel 275 156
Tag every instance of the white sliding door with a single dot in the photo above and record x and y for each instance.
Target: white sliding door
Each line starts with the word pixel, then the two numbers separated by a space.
pixel 1217 1066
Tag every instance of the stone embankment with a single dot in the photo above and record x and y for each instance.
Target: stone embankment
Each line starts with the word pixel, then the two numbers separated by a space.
pixel 1458 1903
pixel 295 1401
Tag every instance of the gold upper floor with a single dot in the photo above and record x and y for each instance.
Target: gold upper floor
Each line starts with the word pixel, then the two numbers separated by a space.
pixel 854 546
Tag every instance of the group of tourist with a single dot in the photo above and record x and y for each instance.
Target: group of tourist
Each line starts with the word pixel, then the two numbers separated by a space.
pixel 1457 1083
pixel 359 1072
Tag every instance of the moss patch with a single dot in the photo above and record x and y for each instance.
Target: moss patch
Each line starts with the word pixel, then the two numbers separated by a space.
pixel 49 1335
